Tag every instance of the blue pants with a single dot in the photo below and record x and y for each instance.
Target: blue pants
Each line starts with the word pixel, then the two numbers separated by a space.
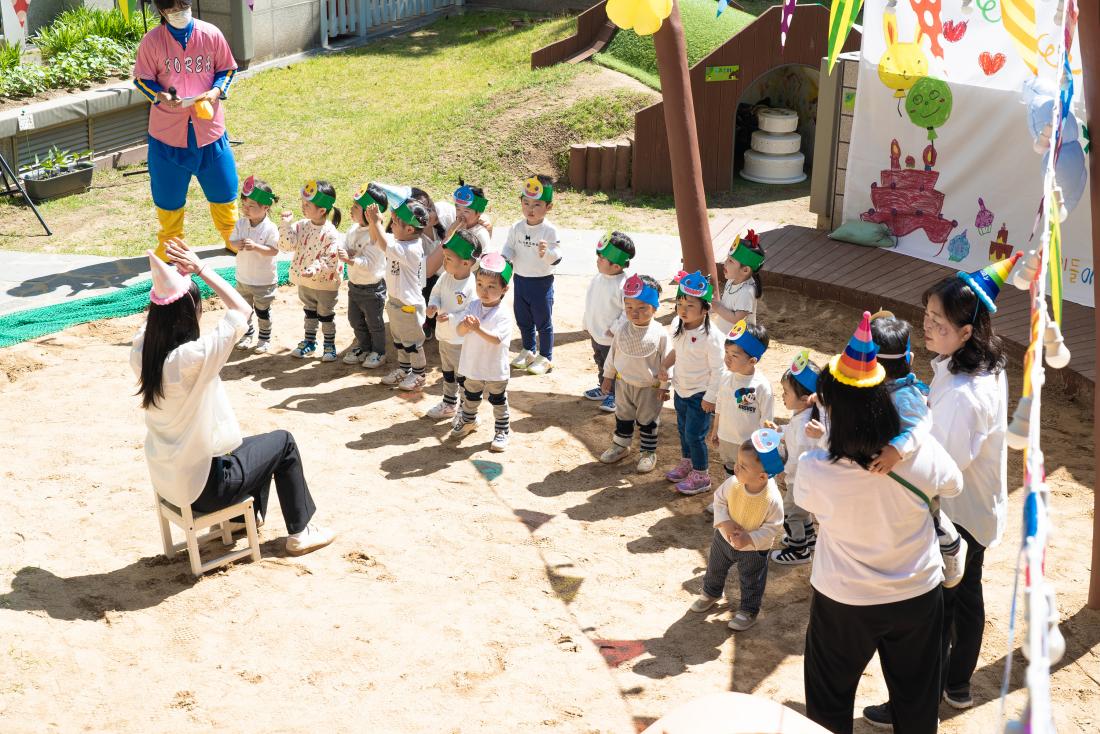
pixel 534 302
pixel 752 566
pixel 693 425
pixel 171 169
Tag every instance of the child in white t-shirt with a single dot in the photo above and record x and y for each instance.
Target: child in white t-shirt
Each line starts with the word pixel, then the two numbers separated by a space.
pixel 534 250
pixel 743 286
pixel 487 328
pixel 366 283
pixel 744 396
pixel 451 295
pixel 603 307
pixel 256 239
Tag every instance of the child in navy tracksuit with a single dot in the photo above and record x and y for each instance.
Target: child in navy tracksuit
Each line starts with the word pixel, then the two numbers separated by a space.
pixel 534 250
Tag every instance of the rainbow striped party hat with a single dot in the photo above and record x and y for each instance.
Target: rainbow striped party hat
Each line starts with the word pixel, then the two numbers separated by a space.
pixel 858 366
pixel 987 282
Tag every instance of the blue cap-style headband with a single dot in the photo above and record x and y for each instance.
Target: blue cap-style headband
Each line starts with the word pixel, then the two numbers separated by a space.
pixel 740 336
pixel 766 443
pixel 637 288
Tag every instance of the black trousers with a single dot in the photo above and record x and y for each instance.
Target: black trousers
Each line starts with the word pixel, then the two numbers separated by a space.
pixel 248 471
pixel 841 639
pixel 964 620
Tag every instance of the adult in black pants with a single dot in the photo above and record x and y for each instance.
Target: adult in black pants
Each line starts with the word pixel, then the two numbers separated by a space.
pixel 193 447
pixel 877 572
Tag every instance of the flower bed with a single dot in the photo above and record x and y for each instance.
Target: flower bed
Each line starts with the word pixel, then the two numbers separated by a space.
pixel 81 47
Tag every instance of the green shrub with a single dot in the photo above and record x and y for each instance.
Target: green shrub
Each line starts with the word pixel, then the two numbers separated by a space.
pixel 24 80
pixel 10 55
pixel 69 28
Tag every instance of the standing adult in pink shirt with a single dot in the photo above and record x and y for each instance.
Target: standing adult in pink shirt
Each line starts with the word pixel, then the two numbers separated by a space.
pixel 184 66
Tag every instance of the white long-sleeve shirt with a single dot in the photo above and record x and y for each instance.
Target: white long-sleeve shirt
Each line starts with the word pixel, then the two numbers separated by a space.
pixel 368 262
pixel 876 543
pixel 603 307
pixel 522 249
pixel 744 403
pixel 769 529
pixel 314 247
pixel 970 420
pixel 700 362
pixel 193 422
pixel 797 442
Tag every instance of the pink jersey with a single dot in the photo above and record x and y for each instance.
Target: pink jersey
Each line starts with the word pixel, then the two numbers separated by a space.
pixel 160 57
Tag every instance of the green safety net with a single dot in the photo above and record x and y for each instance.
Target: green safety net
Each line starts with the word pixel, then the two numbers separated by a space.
pixel 22 326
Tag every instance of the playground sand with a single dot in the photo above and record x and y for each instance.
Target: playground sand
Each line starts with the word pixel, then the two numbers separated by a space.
pixel 468 591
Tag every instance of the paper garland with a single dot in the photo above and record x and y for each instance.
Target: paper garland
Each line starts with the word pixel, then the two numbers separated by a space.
pixel 1018 18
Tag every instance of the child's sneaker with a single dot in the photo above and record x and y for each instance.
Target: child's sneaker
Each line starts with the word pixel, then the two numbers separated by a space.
pixel 703 603
pixel 500 441
pixel 540 365
pixel 461 429
pixel 523 359
pixel 614 453
pixel 354 356
pixel 608 404
pixel 680 471
pixel 247 341
pixel 792 556
pixel 262 347
pixel 595 393
pixel 374 359
pixel 411 381
pixel 696 482
pixel 394 376
pixel 441 411
pixel 329 354
pixel 954 566
pixel 304 349
pixel 647 461
pixel 742 621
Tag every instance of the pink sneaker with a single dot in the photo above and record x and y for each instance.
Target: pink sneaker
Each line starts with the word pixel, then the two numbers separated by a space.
pixel 696 482
pixel 680 471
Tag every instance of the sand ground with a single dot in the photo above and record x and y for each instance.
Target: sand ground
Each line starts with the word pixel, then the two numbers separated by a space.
pixel 468 591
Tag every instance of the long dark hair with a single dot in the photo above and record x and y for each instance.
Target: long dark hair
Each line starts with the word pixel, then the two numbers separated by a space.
pixel 166 328
pixel 801 390
pixel 983 351
pixel 326 188
pixel 706 317
pixel 862 420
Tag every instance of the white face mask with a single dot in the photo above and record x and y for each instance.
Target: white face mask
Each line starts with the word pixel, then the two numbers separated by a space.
pixel 179 20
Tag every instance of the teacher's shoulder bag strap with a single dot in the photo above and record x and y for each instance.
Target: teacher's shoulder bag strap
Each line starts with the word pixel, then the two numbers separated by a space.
pixel 905 483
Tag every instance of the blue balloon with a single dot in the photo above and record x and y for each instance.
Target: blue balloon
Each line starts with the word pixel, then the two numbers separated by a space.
pixel 1071 170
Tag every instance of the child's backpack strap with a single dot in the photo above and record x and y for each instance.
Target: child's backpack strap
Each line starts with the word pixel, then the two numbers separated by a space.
pixel 905 483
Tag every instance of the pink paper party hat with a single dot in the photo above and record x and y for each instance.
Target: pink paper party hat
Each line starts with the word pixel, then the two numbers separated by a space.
pixel 168 285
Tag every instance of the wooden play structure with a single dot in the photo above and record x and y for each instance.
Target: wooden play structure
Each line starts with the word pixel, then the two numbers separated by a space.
pixel 754 51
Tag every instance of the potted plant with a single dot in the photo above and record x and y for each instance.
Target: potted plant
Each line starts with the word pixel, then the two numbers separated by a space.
pixel 60 173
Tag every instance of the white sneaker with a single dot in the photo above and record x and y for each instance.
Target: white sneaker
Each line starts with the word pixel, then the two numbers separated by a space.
pixel 262 347
pixel 394 376
pixel 460 429
pixel 411 381
pixel 441 411
pixel 703 603
pixel 354 356
pixel 247 341
pixel 954 566
pixel 374 359
pixel 614 453
pixel 309 540
pixel 523 359
pixel 500 441
pixel 540 365
pixel 647 461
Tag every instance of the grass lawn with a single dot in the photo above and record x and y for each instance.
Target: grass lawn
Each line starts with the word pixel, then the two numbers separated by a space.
pixel 427 108
pixel 634 55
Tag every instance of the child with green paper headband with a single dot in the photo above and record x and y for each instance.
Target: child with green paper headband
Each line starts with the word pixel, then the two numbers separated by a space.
pixel 315 268
pixel 256 239
pixel 470 206
pixel 744 286
pixel 603 307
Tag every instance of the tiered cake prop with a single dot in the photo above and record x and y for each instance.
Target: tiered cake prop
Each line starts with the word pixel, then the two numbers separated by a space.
pixel 776 155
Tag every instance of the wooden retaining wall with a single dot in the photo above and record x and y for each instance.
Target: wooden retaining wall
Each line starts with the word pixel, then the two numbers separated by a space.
pixel 594 32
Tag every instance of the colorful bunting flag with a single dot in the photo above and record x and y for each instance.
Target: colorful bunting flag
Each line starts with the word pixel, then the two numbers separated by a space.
pixel 842 14
pixel 1018 17
pixel 785 21
pixel 127 8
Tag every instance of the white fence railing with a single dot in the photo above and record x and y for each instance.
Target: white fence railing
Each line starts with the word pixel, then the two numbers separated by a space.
pixel 356 17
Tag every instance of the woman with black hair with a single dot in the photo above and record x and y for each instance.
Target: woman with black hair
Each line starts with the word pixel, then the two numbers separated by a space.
pixel 193 447
pixel 876 571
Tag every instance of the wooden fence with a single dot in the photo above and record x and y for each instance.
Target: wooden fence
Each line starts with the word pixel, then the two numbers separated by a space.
pixel 357 17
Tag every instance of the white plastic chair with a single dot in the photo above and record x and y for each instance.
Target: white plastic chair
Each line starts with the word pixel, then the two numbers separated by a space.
pixel 192 523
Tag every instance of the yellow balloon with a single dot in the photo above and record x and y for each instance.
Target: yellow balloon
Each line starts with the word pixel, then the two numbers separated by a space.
pixel 643 16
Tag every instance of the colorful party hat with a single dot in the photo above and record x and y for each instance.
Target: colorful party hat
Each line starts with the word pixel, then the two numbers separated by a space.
pixel 494 262
pixel 987 282
pixel 698 285
pixel 741 252
pixel 168 285
pixel 804 371
pixel 465 196
pixel 858 366
pixel 766 443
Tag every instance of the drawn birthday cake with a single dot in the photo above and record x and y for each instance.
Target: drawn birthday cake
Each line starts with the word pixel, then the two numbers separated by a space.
pixel 906 198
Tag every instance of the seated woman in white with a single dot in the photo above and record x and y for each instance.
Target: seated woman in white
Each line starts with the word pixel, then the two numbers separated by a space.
pixel 193 446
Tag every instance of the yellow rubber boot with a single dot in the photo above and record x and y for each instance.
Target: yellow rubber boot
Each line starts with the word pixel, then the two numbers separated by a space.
pixel 225 219
pixel 171 225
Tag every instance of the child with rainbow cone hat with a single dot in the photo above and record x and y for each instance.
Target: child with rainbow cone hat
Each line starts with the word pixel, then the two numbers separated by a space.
pixel 857 365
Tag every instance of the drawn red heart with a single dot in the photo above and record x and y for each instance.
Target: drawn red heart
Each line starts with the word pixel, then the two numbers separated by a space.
pixel 991 64
pixel 953 31
pixel 693 339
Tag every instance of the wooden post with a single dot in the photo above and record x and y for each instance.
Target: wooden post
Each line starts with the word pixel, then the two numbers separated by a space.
pixel 607 167
pixel 683 147
pixel 622 165
pixel 578 161
pixel 1088 29
pixel 592 169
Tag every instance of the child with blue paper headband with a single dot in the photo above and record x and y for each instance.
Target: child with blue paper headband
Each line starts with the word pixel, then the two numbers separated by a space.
pixel 745 401
pixel 632 371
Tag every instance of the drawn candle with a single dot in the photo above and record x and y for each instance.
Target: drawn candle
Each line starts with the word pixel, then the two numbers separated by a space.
pixel 895 154
pixel 929 157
